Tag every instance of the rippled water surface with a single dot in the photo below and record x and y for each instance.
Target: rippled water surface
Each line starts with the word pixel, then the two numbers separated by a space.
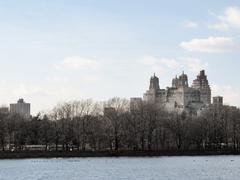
pixel 157 168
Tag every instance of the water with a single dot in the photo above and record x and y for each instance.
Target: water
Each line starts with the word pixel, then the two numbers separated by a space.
pixel 156 168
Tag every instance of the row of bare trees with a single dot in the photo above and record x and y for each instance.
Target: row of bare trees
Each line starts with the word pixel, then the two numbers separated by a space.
pixel 88 125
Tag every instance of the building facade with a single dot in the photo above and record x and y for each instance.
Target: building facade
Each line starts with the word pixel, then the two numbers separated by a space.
pixel 4 110
pixel 179 97
pixel 21 108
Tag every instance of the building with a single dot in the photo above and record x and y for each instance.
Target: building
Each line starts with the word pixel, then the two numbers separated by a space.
pixel 218 101
pixel 179 97
pixel 4 110
pixel 109 111
pixel 21 108
pixel 135 104
pixel 201 84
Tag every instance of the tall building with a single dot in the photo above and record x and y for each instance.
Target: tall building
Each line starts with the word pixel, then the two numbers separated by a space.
pixel 201 83
pixel 180 96
pixel 21 108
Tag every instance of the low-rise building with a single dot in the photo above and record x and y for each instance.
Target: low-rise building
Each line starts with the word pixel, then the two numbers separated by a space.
pixel 4 110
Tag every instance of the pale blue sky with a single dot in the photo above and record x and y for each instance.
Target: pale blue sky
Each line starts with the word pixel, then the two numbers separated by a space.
pixel 57 50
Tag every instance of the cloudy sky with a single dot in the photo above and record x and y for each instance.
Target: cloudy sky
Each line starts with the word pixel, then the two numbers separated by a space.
pixel 58 50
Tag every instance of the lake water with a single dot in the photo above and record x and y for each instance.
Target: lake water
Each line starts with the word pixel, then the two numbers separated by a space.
pixel 156 168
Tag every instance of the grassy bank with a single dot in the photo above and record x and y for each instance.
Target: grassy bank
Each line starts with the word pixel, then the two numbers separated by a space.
pixel 61 154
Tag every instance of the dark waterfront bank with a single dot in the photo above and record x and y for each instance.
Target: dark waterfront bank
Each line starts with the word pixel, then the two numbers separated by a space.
pixel 61 154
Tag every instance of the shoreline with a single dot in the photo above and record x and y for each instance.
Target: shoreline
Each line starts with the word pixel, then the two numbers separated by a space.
pixel 86 154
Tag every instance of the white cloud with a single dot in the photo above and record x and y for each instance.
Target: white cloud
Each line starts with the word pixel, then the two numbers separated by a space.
pixel 220 26
pixel 190 24
pixel 149 60
pixel 89 79
pixel 159 65
pixel 170 63
pixel 230 94
pixel 193 64
pixel 57 79
pixel 76 62
pixel 24 90
pixel 230 19
pixel 153 61
pixel 211 45
pixel 163 65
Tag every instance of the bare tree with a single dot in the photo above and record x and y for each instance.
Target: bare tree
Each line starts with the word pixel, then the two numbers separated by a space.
pixel 113 118
pixel 3 130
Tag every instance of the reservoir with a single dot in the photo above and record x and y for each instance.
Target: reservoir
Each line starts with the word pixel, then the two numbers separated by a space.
pixel 147 168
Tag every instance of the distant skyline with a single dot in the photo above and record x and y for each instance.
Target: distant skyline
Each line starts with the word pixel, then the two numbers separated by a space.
pixel 62 50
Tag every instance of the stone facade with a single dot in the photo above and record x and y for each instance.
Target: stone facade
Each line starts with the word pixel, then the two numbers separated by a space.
pixel 218 101
pixel 179 97
pixel 21 108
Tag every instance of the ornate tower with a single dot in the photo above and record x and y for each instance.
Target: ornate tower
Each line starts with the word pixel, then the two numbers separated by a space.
pixel 151 94
pixel 181 81
pixel 201 83
pixel 154 83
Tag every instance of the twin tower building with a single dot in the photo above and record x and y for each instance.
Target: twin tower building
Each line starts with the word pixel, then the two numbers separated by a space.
pixel 180 97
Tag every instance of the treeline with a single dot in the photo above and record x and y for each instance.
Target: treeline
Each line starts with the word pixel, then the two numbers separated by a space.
pixel 88 125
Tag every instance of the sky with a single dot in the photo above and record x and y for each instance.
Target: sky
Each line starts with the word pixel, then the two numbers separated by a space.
pixel 53 51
